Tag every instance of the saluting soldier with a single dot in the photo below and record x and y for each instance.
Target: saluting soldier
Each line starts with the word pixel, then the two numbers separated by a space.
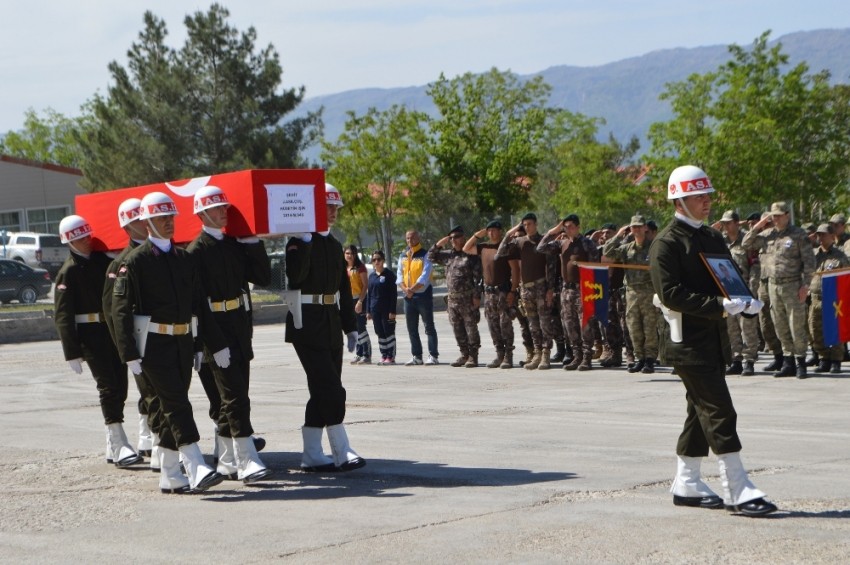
pixel 463 284
pixel 566 241
pixel 227 265
pixel 156 294
pixel 128 219
pixel 81 323
pixel 641 315
pixel 793 261
pixel 536 294
pixel 827 258
pixel 316 267
pixel 500 291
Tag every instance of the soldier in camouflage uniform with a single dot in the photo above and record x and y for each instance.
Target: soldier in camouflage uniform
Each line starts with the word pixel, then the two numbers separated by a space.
pixel 566 241
pixel 827 258
pixel 641 314
pixel 743 330
pixel 792 262
pixel 536 292
pixel 839 224
pixel 760 285
pixel 500 292
pixel 463 283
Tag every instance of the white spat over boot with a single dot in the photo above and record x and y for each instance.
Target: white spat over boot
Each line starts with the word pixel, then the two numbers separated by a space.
pixel 226 465
pixel 201 476
pixel 688 488
pixel 313 459
pixel 145 444
pixel 251 467
pixel 739 494
pixel 345 458
pixel 155 458
pixel 171 480
pixel 122 454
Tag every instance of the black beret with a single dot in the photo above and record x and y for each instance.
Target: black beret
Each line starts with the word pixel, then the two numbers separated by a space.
pixel 456 229
pixel 652 225
pixel 754 217
pixel 609 226
pixel 572 218
pixel 494 224
pixel 530 216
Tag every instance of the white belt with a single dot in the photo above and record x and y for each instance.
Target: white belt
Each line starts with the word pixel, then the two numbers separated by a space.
pixel 326 299
pixel 88 318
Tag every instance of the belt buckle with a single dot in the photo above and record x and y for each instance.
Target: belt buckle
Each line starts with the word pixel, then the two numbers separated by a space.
pixel 92 317
pixel 232 304
pixel 328 299
pixel 162 328
pixel 181 329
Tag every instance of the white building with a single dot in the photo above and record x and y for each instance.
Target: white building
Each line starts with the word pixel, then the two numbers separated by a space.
pixel 36 196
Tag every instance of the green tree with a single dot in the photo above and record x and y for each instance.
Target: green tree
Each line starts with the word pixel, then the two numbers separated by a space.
pixel 381 164
pixel 212 106
pixel 582 175
pixel 48 139
pixel 486 140
pixel 761 131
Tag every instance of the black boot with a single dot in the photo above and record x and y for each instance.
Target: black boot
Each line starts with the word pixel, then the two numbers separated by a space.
pixel 560 351
pixel 835 368
pixel 748 369
pixel 788 369
pixel 801 368
pixel 648 365
pixel 777 363
pixel 823 366
pixel 568 355
pixel 813 360
pixel 735 368
pixel 638 366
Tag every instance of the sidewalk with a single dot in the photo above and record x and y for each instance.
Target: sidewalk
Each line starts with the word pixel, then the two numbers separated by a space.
pixel 464 465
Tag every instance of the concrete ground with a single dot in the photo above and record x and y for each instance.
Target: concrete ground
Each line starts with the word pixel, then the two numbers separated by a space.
pixel 464 465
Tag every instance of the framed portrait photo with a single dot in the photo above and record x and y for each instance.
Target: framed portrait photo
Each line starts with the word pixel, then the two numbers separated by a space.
pixel 728 277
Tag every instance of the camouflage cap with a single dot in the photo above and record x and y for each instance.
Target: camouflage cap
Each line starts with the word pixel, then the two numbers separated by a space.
pixel 730 216
pixel 779 208
pixel 838 219
pixel 637 220
pixel 826 228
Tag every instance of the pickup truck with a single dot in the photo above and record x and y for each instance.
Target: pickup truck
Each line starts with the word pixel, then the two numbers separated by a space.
pixel 39 250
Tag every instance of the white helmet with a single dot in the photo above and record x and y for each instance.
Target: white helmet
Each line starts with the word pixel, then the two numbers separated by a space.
pixel 73 227
pixel 157 204
pixel 210 197
pixel 128 211
pixel 688 180
pixel 333 196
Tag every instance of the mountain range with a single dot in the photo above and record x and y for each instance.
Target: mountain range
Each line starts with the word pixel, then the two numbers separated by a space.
pixel 624 93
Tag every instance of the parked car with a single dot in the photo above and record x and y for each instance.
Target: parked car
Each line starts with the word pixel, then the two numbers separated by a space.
pixel 19 281
pixel 40 250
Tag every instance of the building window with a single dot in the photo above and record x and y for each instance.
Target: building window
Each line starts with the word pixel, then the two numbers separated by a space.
pixel 45 220
pixel 10 221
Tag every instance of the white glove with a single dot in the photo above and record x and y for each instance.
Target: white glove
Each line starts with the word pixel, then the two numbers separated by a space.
pixel 251 239
pixel 135 366
pixel 754 307
pixel 733 306
pixel 197 360
pixel 222 358
pixel 352 341
pixel 76 365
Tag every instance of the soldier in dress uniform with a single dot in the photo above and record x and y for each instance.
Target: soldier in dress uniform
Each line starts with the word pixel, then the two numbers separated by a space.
pixel 697 345
pixel 566 242
pixel 536 292
pixel 792 261
pixel 500 291
pixel 227 267
pixel 641 314
pixel 155 296
pixel 81 323
pixel 463 284
pixel 827 258
pixel 317 273
pixel 128 219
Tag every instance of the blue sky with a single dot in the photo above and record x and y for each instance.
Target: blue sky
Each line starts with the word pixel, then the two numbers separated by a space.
pixel 55 54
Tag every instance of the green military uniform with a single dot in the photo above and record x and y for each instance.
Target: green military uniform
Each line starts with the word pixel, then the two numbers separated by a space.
pixel 641 314
pixel 318 268
pixel 164 285
pixel 226 268
pixel 79 294
pixel 683 284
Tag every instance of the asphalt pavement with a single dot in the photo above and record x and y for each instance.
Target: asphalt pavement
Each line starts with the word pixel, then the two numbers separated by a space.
pixel 464 466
